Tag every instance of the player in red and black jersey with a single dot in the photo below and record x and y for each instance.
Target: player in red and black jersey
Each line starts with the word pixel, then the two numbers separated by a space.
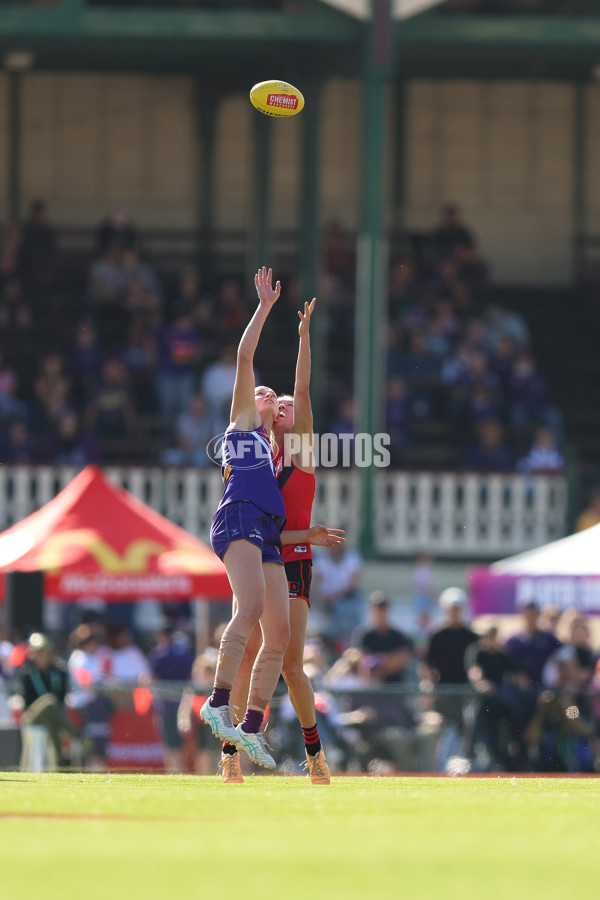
pixel 295 471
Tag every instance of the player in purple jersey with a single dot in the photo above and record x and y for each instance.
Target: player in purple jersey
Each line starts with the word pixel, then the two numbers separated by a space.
pixel 245 534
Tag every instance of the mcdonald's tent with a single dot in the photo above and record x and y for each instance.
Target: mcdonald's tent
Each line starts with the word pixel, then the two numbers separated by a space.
pixel 97 539
pixel 564 573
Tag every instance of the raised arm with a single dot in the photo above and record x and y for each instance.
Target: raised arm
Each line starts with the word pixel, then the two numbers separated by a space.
pixel 303 417
pixel 244 414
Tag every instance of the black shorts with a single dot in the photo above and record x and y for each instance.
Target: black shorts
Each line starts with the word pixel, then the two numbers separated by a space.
pixel 298 573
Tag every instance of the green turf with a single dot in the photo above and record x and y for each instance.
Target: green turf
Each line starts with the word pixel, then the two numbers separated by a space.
pixel 112 837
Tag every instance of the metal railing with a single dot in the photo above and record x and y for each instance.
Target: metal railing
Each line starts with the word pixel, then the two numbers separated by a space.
pixel 453 514
pixel 377 729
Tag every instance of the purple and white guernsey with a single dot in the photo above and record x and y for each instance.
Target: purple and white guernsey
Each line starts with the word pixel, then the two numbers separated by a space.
pixel 248 472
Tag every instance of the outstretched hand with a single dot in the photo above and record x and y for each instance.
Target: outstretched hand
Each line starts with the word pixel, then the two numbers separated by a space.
pixel 263 281
pixel 325 537
pixel 304 326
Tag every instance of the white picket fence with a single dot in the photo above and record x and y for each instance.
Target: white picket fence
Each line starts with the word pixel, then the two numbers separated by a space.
pixel 452 514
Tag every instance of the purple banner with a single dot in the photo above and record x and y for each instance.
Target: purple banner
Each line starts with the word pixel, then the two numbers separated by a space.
pixel 502 594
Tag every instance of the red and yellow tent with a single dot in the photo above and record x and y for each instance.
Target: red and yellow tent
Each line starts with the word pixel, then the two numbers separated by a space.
pixel 97 539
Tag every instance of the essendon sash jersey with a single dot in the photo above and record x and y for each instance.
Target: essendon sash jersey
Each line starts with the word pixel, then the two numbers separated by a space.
pixel 298 492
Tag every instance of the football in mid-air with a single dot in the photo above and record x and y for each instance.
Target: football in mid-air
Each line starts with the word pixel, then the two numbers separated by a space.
pixel 276 98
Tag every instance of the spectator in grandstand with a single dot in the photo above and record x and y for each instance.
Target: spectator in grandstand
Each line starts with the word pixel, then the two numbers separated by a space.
pixel 344 429
pixel 117 229
pixel 142 275
pixel 171 660
pixel 473 273
pixel 501 362
pixel 390 648
pixel 142 303
pixel 338 252
pixel 218 381
pixel 528 398
pixel 69 445
pixel 445 666
pixel 230 310
pixel 88 665
pixel 10 406
pixel 504 324
pixel 17 447
pixel 52 389
pixel 194 430
pixel 111 413
pixel 179 350
pixel 397 417
pixel 337 575
pixel 451 233
pixel 44 683
pixel 544 456
pixel 15 311
pixel 421 369
pixel 437 338
pixel 403 290
pixel 139 355
pixel 488 453
pixel 85 357
pixel 108 280
pixel 11 259
pixel 482 405
pixel 127 663
pixel 39 246
pixel 586 519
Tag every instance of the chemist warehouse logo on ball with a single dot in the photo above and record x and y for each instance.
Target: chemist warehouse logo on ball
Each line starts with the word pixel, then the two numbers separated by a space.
pixel 325 450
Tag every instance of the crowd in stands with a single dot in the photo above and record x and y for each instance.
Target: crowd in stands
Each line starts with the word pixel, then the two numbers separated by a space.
pixel 425 692
pixel 453 356
pixel 142 353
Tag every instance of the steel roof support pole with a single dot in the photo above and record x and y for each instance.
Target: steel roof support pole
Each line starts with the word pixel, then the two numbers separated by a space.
pixel 372 259
pixel 310 238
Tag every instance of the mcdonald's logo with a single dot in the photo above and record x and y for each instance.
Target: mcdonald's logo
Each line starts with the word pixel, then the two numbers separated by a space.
pixel 134 559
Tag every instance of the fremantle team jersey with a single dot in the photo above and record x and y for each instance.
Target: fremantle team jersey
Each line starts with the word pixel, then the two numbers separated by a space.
pixel 248 472
pixel 298 492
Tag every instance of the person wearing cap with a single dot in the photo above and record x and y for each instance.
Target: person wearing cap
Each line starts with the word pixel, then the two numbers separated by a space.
pixel 44 683
pixel 445 656
pixel 390 648
pixel 445 664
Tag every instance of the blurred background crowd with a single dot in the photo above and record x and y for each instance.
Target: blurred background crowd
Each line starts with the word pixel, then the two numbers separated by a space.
pixel 120 361
pixel 413 686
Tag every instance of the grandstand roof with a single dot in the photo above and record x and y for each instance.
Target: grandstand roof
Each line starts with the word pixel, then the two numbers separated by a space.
pixel 460 37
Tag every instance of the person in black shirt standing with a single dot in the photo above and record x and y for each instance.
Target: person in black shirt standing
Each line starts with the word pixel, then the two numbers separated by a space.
pixel 44 684
pixel 389 648
pixel 492 673
pixel 445 663
pixel 445 656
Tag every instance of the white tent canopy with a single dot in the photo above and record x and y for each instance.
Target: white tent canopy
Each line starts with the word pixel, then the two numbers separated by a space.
pixel 578 554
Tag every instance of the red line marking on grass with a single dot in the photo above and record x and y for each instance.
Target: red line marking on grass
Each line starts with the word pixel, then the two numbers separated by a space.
pixel 90 817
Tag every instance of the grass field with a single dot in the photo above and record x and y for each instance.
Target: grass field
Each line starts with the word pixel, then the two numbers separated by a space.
pixel 119 836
